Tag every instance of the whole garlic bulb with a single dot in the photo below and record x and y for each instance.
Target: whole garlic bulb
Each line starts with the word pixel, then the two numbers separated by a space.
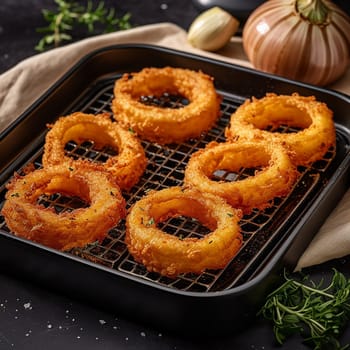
pixel 306 40
pixel 212 29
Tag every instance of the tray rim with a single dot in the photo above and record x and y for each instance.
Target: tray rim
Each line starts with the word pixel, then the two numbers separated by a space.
pixel 160 48
pixel 343 167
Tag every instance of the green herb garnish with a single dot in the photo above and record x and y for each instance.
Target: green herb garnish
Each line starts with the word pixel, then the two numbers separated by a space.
pixel 150 222
pixel 69 14
pixel 319 314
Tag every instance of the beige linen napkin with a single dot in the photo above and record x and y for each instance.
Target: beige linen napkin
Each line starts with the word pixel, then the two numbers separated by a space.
pixel 26 82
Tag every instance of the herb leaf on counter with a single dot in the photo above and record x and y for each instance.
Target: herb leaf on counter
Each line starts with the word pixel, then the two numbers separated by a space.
pixel 318 313
pixel 69 14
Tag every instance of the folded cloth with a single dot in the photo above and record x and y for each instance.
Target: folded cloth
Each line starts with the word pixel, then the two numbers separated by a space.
pixel 27 81
pixel 332 240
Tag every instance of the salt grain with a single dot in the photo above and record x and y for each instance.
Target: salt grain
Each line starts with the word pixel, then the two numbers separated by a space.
pixel 27 306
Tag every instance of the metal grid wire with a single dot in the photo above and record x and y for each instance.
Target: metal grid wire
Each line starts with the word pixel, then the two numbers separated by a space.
pixel 166 165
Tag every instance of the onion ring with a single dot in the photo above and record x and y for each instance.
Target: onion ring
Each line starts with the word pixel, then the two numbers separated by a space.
pixel 161 124
pixel 127 166
pixel 314 118
pixel 275 178
pixel 26 218
pixel 170 255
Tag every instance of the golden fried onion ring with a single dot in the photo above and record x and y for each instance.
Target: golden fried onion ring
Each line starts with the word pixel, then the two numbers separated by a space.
pixel 127 166
pixel 253 117
pixel 26 218
pixel 170 255
pixel 160 124
pixel 275 178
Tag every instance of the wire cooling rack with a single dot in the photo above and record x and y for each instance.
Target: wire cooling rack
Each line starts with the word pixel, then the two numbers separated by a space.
pixel 261 229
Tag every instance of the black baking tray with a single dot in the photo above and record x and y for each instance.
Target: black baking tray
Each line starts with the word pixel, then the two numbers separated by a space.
pixel 105 274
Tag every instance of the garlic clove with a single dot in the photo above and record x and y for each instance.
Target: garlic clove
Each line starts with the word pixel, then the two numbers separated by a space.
pixel 212 29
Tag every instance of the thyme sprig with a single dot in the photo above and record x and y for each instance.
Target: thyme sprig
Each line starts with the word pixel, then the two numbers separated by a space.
pixel 69 14
pixel 318 313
